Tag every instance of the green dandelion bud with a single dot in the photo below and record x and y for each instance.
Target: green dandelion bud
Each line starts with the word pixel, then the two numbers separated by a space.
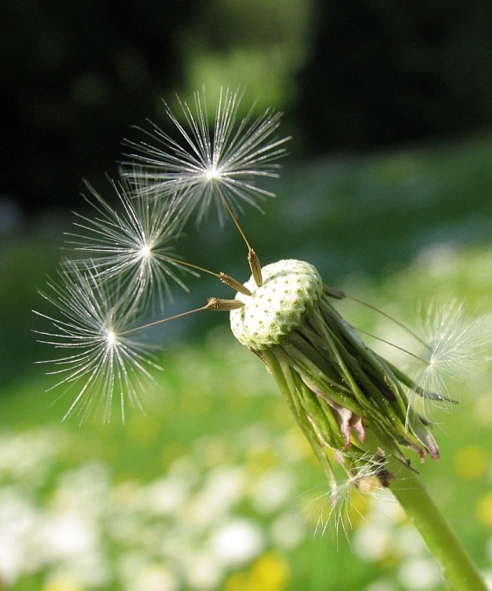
pixel 338 389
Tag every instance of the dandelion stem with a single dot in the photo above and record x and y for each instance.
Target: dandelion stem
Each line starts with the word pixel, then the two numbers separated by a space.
pixel 458 569
pixel 227 279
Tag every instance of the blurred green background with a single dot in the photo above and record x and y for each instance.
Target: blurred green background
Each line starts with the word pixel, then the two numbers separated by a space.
pixel 387 190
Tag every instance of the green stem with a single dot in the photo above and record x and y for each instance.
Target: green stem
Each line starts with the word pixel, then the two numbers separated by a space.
pixel 458 569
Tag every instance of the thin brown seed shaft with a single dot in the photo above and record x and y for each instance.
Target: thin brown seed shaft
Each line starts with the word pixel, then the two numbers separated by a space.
pixel 254 263
pixel 397 322
pixel 162 320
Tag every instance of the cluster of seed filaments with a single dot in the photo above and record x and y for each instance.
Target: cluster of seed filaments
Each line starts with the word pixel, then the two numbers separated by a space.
pixel 290 288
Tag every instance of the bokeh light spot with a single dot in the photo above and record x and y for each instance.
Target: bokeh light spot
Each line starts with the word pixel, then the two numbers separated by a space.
pixel 471 462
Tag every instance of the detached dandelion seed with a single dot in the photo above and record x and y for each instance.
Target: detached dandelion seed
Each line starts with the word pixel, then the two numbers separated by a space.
pixel 209 168
pixel 343 505
pixel 455 343
pixel 134 245
pixel 103 364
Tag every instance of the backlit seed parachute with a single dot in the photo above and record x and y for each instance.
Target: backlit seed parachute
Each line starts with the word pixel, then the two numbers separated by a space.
pixel 125 261
pixel 100 362
pixel 132 245
pixel 215 167
pixel 452 345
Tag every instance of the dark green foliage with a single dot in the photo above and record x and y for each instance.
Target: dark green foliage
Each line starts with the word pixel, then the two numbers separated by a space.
pixel 74 77
pixel 386 72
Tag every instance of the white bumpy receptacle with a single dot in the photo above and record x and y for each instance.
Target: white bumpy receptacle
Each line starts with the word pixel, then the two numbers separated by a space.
pixel 273 310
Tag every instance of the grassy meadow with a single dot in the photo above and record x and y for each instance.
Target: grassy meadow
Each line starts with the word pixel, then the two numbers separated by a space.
pixel 214 488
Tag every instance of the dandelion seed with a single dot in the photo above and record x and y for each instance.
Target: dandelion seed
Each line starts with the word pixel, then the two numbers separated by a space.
pixel 208 168
pixel 345 504
pixel 133 246
pixel 104 365
pixel 454 344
